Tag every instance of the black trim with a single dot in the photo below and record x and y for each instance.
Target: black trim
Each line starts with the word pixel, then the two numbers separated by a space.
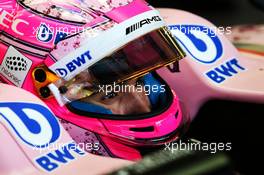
pixel 88 28
pixel 177 114
pixel 160 140
pixel 53 58
pixel 23 50
pixel 26 43
pixel 162 108
pixel 104 145
pixel 143 129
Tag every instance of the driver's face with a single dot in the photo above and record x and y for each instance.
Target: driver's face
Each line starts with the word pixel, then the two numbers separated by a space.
pixel 123 103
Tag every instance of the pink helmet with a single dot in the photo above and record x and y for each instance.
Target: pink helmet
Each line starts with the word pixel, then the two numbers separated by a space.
pixel 68 52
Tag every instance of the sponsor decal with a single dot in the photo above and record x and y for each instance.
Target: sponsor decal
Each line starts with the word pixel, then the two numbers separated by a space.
pixel 15 66
pixel 44 34
pixel 60 36
pixel 225 71
pixel 53 160
pixel 87 52
pixel 141 23
pixel 203 45
pixel 7 21
pixel 200 42
pixel 74 64
pixel 34 124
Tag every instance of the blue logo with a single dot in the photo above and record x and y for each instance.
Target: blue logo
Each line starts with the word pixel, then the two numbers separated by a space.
pixel 225 71
pixel 44 34
pixel 32 123
pixel 60 36
pixel 199 41
pixel 74 64
pixel 61 72
pixel 55 159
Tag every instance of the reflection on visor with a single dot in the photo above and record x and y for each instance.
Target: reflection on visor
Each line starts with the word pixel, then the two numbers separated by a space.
pixel 150 52
pixel 137 58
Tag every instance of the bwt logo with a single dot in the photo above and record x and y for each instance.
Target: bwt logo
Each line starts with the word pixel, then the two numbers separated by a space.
pixel 140 24
pixel 199 41
pixel 44 34
pixel 32 123
pixel 74 64
pixel 204 45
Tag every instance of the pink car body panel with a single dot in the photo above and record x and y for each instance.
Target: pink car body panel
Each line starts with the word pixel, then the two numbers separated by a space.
pixel 193 86
pixel 249 39
pixel 18 157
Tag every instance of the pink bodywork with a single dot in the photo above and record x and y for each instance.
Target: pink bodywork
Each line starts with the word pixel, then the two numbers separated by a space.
pixel 191 84
pixel 249 39
pixel 19 158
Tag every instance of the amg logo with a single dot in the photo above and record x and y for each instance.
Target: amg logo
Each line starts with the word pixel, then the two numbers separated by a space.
pixel 140 24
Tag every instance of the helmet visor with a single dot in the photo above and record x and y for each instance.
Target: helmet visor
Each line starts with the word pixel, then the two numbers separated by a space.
pixel 145 54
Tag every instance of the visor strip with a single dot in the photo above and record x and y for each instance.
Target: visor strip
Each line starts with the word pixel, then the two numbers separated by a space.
pixel 95 49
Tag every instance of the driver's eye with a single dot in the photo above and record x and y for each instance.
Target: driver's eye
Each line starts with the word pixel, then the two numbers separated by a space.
pixel 109 96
